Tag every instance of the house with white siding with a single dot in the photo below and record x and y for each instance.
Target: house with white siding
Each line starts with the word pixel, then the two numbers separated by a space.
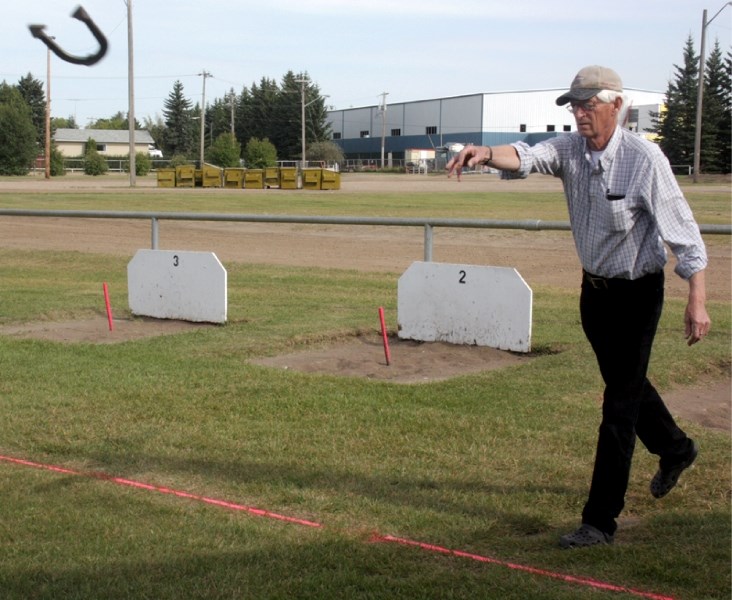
pixel 110 142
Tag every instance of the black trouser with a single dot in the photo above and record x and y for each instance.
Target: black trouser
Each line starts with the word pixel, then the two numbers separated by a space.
pixel 619 318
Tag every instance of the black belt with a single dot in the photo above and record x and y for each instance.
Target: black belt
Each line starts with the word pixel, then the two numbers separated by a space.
pixel 606 283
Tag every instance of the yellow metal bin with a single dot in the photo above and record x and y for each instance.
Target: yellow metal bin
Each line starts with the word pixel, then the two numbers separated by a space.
pixel 166 177
pixel 271 177
pixel 211 176
pixel 330 180
pixel 288 178
pixel 234 178
pixel 311 179
pixel 254 179
pixel 185 176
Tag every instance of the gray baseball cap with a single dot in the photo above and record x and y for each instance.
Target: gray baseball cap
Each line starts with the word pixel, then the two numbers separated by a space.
pixel 589 82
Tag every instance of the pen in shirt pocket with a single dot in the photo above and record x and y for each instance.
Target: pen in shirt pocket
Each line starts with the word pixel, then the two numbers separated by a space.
pixel 611 196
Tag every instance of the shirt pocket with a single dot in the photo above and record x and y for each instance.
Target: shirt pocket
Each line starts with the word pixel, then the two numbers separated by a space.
pixel 620 212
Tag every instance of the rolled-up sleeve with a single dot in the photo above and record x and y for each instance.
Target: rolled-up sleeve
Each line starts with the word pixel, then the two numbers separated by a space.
pixel 676 224
pixel 542 158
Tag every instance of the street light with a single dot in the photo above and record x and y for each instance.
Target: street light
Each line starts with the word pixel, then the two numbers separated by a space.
pixel 302 83
pixel 700 91
pixel 383 125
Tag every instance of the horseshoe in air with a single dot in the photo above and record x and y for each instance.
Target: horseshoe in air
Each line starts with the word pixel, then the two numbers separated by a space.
pixel 38 31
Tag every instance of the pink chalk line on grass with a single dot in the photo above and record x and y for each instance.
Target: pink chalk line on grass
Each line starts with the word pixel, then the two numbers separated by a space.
pixel 592 583
pixel 164 490
pixel 377 538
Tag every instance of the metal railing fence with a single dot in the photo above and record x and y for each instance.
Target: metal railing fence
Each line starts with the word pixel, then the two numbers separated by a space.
pixel 427 223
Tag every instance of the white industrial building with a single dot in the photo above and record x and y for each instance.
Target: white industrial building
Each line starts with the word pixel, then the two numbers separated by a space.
pixel 481 119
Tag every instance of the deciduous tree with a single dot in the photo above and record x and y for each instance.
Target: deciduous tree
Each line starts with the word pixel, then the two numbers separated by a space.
pixel 94 163
pixel 18 136
pixel 260 154
pixel 225 151
pixel 33 93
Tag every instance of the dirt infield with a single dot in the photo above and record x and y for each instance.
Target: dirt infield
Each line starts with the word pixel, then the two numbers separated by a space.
pixel 542 258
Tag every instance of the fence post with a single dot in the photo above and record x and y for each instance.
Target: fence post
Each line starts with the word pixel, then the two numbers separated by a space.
pixel 427 242
pixel 155 233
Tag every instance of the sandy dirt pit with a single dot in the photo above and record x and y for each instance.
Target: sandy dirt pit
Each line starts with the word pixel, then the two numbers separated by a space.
pixel 543 259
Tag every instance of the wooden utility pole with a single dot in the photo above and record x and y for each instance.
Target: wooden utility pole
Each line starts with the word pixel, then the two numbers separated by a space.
pixel 203 74
pixel 131 96
pixel 48 115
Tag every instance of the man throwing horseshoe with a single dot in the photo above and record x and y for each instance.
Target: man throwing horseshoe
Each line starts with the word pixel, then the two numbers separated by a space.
pixel 624 205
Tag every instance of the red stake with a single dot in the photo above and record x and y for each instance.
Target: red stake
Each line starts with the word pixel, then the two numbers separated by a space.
pixel 109 307
pixel 387 353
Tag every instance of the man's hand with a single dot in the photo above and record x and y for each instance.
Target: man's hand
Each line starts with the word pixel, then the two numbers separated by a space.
pixel 468 157
pixel 503 158
pixel 696 319
pixel 697 323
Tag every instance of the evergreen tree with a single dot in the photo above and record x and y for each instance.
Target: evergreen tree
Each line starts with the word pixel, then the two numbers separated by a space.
pixel 258 111
pixel 675 127
pixel 716 116
pixel 317 128
pixel 34 95
pixel 287 136
pixel 18 136
pixel 194 132
pixel 243 118
pixel 218 115
pixel 725 128
pixel 178 139
pixel 264 110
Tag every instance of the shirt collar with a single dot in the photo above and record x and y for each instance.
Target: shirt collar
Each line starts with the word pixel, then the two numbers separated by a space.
pixel 608 154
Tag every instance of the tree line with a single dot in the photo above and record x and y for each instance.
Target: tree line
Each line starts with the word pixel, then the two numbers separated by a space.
pixel 262 120
pixel 676 125
pixel 263 123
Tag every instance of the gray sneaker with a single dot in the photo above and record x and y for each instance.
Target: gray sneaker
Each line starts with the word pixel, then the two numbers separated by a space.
pixel 665 479
pixel 585 536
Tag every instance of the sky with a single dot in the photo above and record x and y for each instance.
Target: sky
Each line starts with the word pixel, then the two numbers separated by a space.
pixel 353 50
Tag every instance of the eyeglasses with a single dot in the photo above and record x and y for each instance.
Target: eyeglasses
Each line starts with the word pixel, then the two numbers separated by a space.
pixel 586 107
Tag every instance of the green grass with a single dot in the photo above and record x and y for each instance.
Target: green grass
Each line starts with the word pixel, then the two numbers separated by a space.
pixel 496 463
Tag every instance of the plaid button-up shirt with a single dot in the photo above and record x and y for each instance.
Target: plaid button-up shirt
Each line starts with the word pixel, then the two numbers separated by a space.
pixel 622 209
